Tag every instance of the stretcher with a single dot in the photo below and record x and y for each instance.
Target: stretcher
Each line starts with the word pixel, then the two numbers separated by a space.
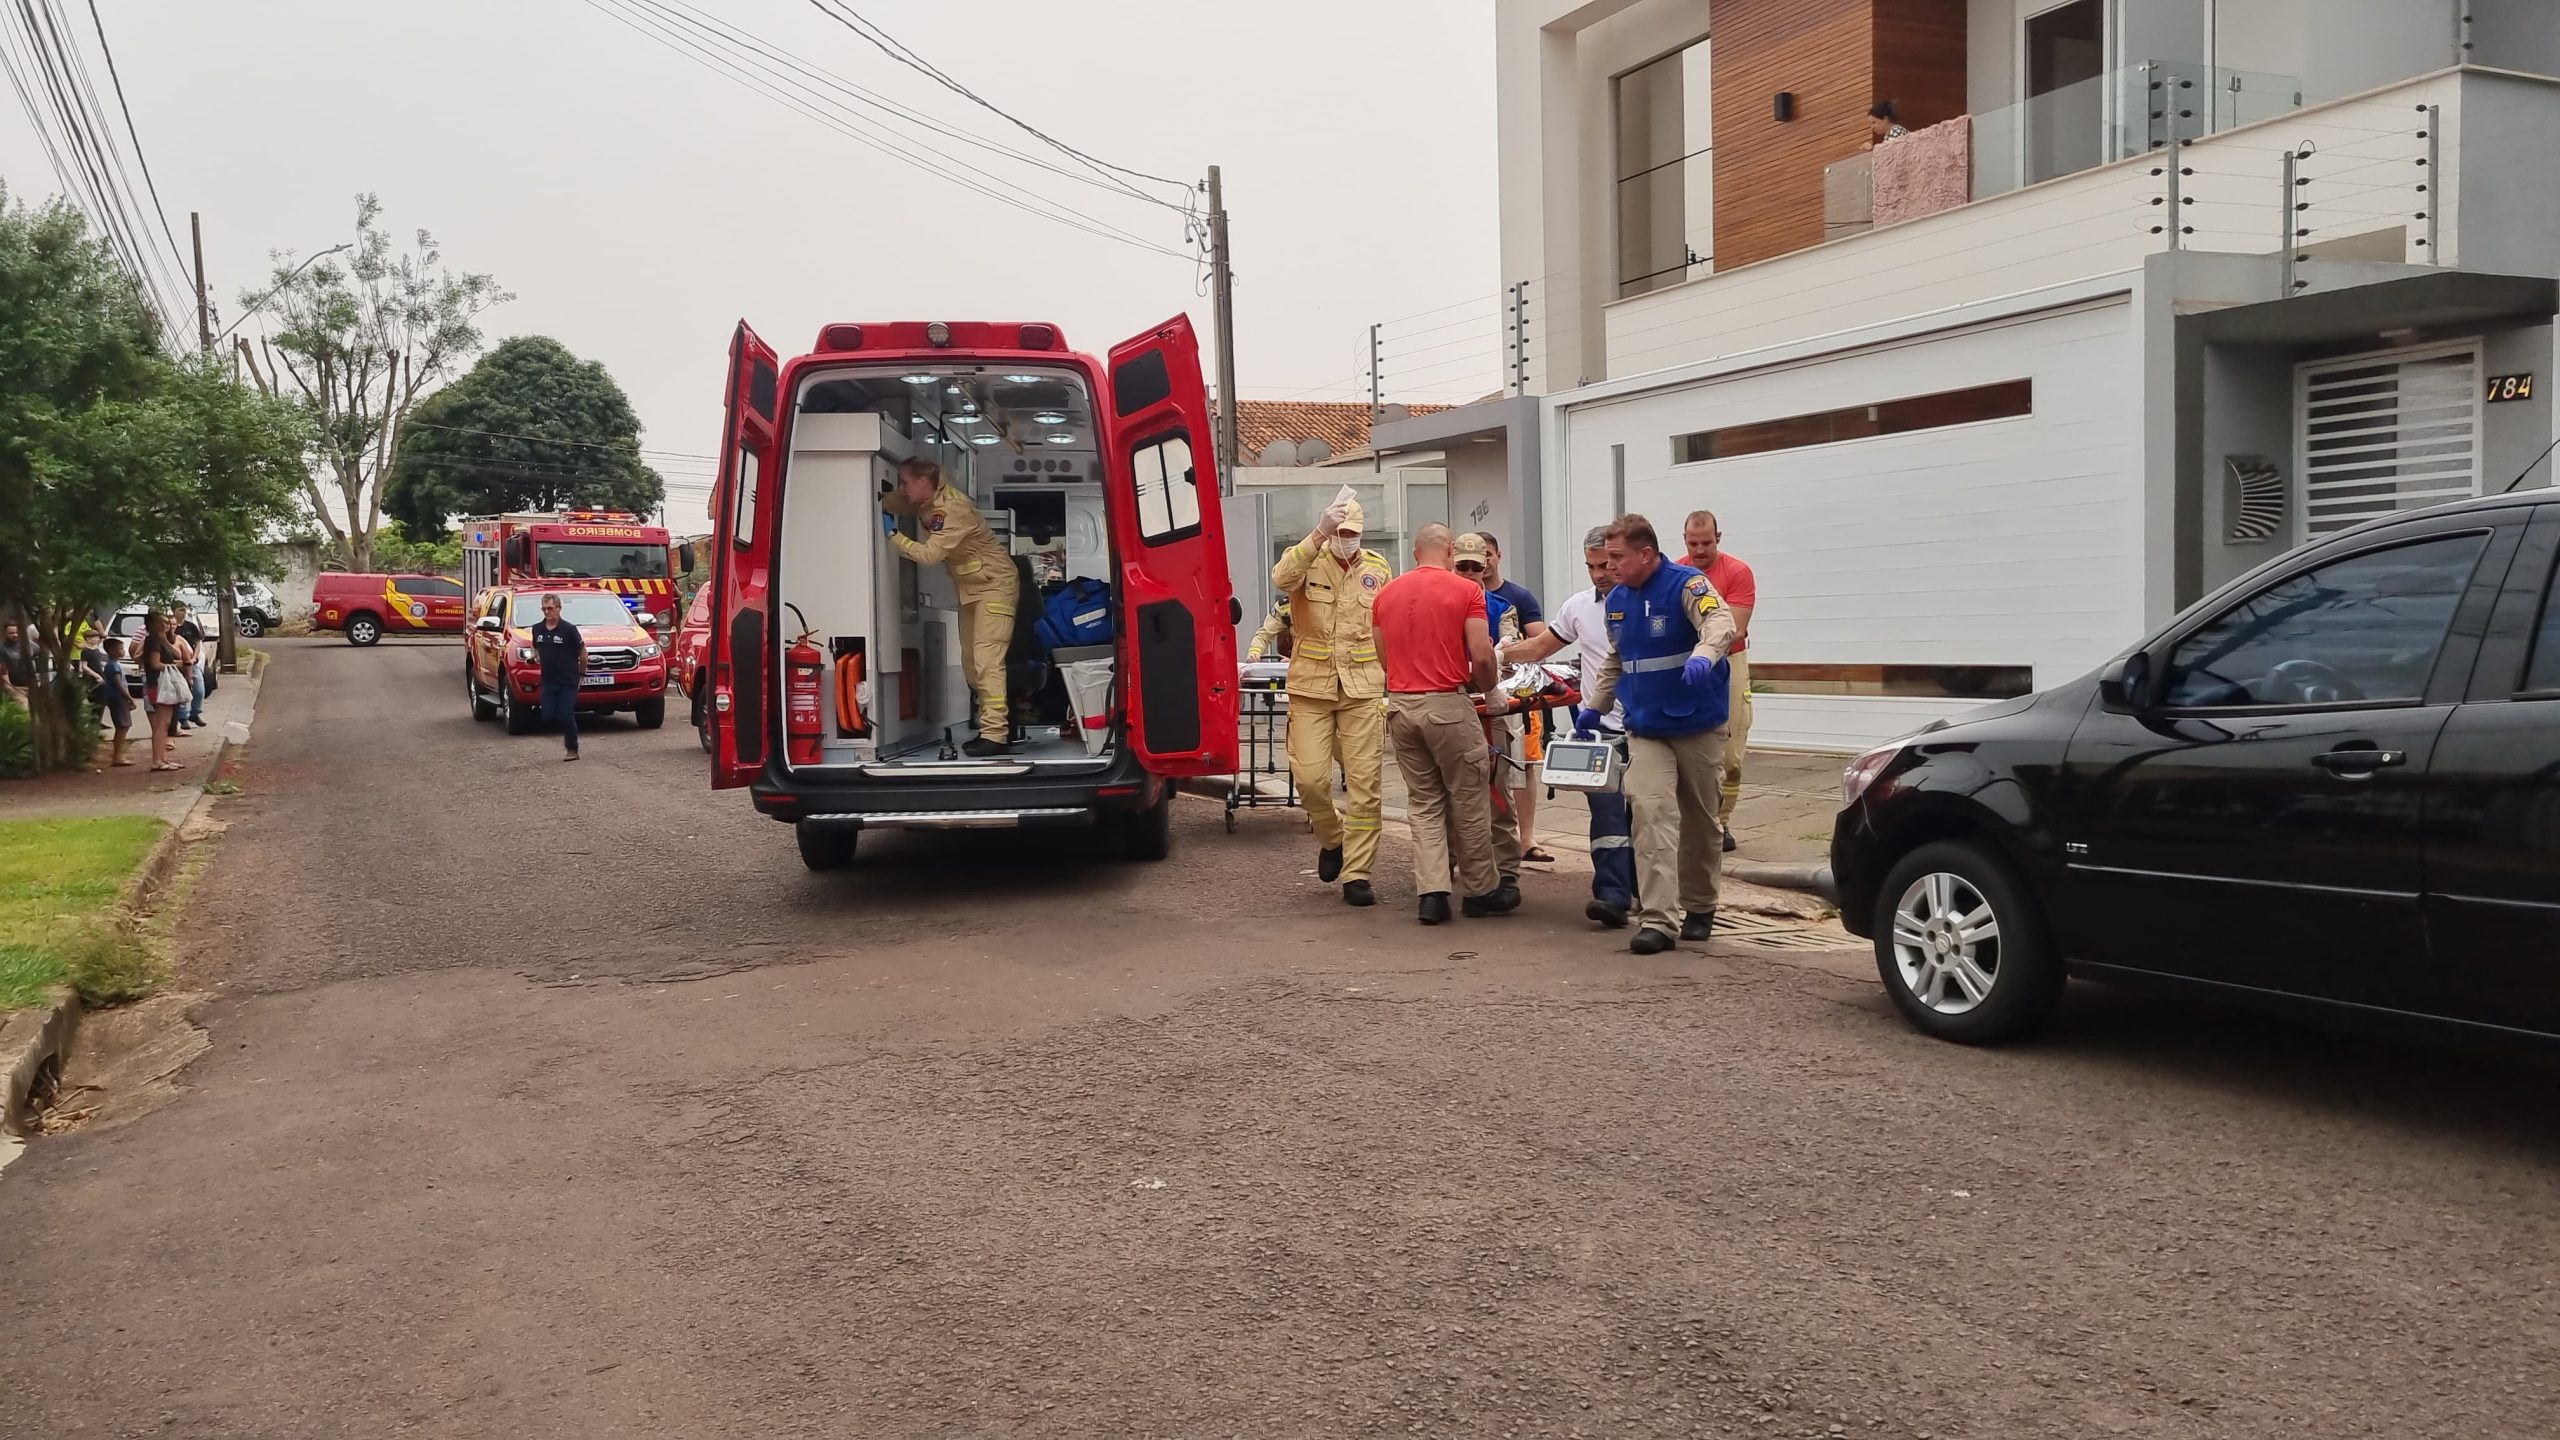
pixel 1522 690
pixel 1262 740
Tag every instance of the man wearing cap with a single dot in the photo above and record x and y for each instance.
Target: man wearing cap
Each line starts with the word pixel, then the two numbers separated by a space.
pixel 1472 558
pixel 1337 690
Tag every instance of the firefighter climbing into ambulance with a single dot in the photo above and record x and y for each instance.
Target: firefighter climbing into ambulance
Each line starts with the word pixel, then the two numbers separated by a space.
pixel 1337 689
pixel 957 536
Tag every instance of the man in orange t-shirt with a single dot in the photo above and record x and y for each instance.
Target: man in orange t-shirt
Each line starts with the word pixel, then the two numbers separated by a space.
pixel 1733 581
pixel 1432 634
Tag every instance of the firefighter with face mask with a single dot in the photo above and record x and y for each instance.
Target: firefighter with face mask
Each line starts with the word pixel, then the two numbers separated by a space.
pixel 957 536
pixel 1337 690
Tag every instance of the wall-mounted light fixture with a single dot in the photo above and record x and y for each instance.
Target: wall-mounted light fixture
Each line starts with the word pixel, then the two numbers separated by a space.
pixel 1785 106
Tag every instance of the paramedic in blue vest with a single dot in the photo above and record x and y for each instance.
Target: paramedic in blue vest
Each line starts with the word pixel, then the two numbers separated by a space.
pixel 1668 667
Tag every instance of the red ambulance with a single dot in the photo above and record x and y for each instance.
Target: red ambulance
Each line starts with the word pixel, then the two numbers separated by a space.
pixel 837 693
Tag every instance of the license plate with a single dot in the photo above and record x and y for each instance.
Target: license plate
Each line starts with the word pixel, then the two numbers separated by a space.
pixel 596 679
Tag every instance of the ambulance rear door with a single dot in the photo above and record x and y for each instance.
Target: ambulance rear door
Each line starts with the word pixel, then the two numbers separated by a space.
pixel 1178 651
pixel 741 656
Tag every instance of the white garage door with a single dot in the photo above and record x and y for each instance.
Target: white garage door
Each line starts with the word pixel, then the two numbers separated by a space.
pixel 1933 524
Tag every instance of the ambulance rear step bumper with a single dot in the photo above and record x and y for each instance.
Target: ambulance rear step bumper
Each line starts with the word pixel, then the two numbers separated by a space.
pixel 954 819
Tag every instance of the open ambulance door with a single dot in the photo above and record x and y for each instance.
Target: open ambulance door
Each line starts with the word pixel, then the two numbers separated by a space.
pixel 741 661
pixel 1179 658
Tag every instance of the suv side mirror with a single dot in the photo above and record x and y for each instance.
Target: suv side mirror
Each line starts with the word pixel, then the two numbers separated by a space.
pixel 2126 685
pixel 684 560
pixel 492 624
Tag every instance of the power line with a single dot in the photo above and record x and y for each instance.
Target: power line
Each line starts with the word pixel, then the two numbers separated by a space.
pixel 887 44
pixel 886 108
pixel 102 141
pixel 86 177
pixel 733 43
pixel 117 79
pixel 724 61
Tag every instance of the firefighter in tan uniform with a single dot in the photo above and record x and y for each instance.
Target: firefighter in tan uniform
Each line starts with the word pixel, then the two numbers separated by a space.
pixel 1273 640
pixel 956 536
pixel 1337 690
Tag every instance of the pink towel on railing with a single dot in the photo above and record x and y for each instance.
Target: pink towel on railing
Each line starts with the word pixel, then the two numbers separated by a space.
pixel 1925 172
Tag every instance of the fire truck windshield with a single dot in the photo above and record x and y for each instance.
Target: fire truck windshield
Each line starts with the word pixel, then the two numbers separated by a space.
pixel 593 560
pixel 577 607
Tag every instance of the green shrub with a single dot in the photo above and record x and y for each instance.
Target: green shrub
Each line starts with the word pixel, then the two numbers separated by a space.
pixel 17 741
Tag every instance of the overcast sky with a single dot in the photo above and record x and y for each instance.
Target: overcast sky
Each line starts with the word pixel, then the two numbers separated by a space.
pixel 640 204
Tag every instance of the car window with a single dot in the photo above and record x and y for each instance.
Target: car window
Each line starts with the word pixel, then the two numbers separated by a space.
pixel 2542 674
pixel 449 589
pixel 2364 628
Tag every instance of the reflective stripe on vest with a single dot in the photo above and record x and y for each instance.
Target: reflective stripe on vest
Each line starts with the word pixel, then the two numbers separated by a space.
pixel 1664 662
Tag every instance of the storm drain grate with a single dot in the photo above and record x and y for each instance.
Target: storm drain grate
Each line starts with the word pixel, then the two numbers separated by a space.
pixel 1764 933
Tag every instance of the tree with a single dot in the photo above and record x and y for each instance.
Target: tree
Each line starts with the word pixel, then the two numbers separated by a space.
pixel 123 474
pixel 532 427
pixel 360 340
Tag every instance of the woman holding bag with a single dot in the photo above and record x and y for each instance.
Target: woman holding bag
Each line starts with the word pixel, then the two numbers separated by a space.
pixel 165 685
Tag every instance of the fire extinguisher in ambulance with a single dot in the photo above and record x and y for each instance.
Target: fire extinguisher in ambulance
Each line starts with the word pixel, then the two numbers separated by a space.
pixel 803 724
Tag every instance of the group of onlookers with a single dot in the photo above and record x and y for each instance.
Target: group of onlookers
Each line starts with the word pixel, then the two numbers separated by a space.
pixel 1660 642
pixel 173 654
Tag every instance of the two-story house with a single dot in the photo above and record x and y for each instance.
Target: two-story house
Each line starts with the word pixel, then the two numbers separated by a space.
pixel 2151 290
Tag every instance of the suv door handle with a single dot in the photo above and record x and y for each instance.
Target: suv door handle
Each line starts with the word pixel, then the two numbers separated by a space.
pixel 2359 762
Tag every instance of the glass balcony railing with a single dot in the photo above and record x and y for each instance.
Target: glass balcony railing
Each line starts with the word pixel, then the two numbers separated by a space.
pixel 2116 116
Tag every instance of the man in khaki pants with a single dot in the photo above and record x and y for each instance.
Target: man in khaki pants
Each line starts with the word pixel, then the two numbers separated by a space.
pixel 1703 537
pixel 1431 626
pixel 1337 691
pixel 1668 668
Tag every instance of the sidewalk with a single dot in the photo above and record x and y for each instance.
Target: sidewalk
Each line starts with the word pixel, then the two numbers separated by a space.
pixel 135 790
pixel 1783 818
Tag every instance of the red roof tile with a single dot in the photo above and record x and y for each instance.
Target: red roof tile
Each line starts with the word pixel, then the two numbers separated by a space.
pixel 1342 427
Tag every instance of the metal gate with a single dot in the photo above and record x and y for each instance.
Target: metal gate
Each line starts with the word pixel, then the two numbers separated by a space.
pixel 2381 433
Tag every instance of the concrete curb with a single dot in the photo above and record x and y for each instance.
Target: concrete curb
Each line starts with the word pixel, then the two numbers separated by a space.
pixel 29 1038
pixel 1811 879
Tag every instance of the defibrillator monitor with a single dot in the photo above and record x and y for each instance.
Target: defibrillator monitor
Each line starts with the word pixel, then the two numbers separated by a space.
pixel 1582 764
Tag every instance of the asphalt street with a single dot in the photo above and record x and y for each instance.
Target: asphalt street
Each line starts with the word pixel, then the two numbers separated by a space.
pixel 551 1100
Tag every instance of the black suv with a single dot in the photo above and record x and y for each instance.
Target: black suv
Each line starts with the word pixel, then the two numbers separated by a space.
pixel 2336 780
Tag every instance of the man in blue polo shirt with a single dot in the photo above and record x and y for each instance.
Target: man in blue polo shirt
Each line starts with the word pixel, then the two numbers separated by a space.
pixel 1669 668
pixel 563 653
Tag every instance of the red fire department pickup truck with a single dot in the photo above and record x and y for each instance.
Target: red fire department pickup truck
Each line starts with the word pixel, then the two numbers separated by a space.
pixel 626 665
pixel 837 691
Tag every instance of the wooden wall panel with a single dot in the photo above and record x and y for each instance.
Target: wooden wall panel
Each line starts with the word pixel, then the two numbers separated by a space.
pixel 1768 175
pixel 1920 59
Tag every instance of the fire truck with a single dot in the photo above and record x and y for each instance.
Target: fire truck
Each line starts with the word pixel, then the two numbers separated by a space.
pixel 617 551
pixel 836 664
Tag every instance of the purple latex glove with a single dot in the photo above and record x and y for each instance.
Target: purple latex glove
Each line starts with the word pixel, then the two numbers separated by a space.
pixel 1699 670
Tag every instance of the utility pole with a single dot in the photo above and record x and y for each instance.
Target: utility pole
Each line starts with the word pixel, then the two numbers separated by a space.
pixel 226 603
pixel 1222 289
pixel 1377 406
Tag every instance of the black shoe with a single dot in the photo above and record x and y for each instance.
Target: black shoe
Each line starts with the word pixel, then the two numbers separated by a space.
pixel 1728 842
pixel 1601 912
pixel 983 747
pixel 1477 907
pixel 1509 893
pixel 1649 942
pixel 1329 863
pixel 1357 893
pixel 1700 925
pixel 1435 908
